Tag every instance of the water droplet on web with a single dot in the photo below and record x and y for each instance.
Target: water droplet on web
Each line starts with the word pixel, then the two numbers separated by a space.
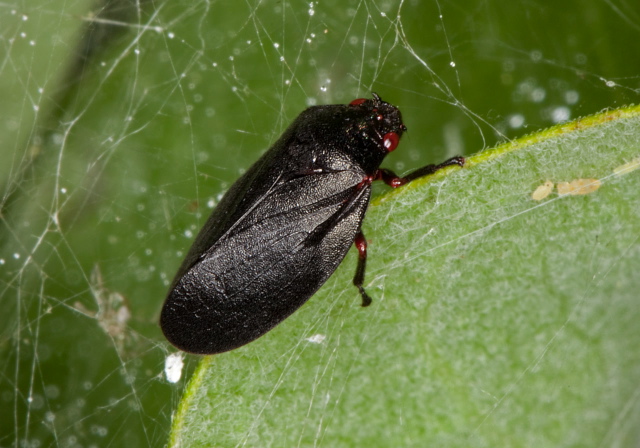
pixel 571 96
pixel 52 391
pixel 516 121
pixel 538 94
pixel 560 114
pixel 100 431
pixel 536 56
pixel 580 58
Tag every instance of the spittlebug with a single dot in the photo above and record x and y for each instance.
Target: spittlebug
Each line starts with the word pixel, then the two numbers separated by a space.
pixel 284 227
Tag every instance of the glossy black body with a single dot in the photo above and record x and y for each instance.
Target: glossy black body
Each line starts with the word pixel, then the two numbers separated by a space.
pixel 281 230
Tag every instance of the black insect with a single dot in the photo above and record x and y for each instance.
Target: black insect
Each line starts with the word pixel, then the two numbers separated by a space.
pixel 284 227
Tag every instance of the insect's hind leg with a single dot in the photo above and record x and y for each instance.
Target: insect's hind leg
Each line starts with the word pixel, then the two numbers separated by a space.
pixel 361 244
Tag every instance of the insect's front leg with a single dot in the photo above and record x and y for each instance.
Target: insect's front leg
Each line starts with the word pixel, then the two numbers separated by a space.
pixel 393 180
pixel 361 244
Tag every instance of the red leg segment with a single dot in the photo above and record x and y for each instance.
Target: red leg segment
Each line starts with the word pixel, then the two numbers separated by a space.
pixel 361 244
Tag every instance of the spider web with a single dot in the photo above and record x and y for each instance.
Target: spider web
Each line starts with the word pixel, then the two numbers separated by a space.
pixel 124 121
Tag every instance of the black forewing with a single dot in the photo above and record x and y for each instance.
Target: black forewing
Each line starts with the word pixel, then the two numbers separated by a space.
pixel 237 201
pixel 267 260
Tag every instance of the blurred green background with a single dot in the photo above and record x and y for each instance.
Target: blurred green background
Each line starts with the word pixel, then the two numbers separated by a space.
pixel 124 121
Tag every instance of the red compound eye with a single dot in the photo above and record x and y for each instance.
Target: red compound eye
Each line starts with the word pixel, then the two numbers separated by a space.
pixel 390 141
pixel 357 102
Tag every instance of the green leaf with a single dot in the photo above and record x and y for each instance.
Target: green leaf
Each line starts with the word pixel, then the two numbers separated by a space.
pixel 123 122
pixel 498 320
